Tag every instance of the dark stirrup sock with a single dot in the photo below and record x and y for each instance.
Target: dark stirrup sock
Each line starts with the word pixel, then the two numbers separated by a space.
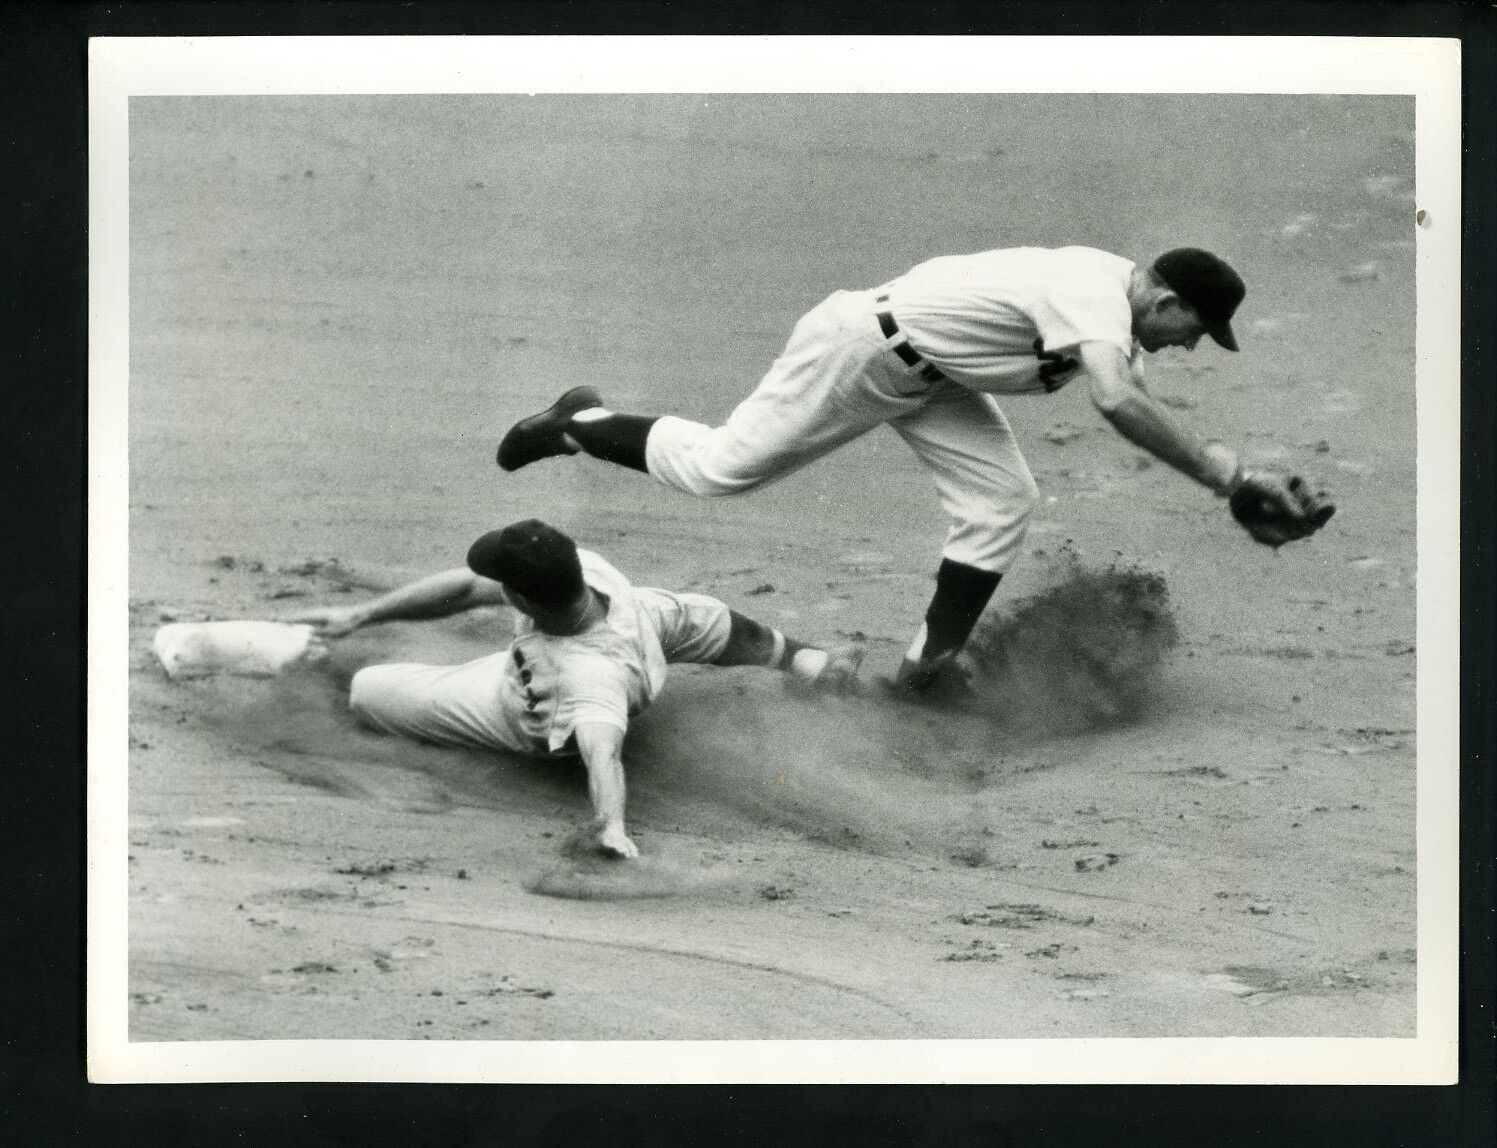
pixel 614 438
pixel 752 643
pixel 962 593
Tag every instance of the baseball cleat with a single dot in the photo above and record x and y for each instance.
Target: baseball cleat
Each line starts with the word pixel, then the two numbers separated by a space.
pixel 942 678
pixel 540 435
pixel 917 677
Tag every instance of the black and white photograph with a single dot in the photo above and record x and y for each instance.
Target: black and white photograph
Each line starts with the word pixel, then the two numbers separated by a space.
pixel 613 561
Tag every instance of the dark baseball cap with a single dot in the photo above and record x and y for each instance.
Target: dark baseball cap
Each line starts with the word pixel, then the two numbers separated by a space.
pixel 532 559
pixel 1207 284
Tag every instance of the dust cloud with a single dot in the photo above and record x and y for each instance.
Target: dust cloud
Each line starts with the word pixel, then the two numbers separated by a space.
pixel 727 755
pixel 1083 653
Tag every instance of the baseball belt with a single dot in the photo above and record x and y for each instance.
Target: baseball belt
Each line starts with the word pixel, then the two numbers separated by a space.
pixel 907 353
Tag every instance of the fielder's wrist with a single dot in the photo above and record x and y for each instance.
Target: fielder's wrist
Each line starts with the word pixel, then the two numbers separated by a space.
pixel 1223 468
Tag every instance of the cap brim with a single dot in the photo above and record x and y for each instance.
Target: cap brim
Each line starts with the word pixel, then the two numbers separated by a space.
pixel 1223 335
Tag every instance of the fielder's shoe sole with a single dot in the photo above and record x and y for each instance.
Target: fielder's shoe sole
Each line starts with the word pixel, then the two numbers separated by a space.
pixel 540 436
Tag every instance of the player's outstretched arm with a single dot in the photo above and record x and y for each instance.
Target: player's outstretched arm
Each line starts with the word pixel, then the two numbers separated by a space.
pixel 1273 509
pixel 436 596
pixel 1144 421
pixel 601 745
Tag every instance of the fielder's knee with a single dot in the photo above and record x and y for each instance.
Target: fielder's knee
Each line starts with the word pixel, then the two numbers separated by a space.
pixel 704 476
pixel 720 484
pixel 991 540
pixel 1014 508
pixel 699 460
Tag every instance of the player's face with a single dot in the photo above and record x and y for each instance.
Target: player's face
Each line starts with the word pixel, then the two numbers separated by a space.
pixel 1169 322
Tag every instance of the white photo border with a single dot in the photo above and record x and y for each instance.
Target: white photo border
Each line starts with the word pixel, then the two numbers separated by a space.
pixel 1427 69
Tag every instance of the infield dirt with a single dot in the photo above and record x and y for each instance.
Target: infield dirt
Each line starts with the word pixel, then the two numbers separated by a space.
pixel 1183 801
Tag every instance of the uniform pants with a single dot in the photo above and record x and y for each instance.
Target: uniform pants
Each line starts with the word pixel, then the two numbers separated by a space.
pixel 837 379
pixel 474 704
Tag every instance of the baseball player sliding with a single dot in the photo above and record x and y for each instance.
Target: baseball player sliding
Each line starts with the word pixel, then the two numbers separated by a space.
pixel 927 353
pixel 589 653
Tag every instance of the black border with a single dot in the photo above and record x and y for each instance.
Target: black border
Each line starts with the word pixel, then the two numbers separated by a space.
pixel 43 386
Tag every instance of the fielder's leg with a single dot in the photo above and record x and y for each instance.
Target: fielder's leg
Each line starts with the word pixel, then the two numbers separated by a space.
pixel 763 440
pixel 575 422
pixel 986 488
pixel 808 403
pixel 962 594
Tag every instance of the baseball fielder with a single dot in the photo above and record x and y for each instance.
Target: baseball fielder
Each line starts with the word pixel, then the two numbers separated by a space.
pixel 589 652
pixel 927 354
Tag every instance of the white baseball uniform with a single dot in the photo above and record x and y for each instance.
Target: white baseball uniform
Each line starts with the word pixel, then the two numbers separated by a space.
pixel 964 328
pixel 531 697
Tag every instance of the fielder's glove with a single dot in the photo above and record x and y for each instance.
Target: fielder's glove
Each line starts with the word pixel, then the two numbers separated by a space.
pixel 1276 509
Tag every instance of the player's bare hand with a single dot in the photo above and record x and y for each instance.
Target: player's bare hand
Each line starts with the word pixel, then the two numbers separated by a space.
pixel 330 621
pixel 613 840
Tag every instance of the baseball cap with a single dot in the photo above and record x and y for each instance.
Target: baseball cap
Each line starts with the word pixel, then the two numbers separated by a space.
pixel 532 559
pixel 1207 284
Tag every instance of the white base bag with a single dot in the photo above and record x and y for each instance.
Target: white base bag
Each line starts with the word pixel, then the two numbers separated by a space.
pixel 247 649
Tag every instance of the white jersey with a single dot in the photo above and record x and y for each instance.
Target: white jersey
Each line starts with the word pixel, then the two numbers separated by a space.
pixel 531 697
pixel 1010 320
pixel 605 674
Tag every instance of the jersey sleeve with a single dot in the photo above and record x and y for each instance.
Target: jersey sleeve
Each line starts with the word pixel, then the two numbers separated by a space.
pixel 589 688
pixel 1076 313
